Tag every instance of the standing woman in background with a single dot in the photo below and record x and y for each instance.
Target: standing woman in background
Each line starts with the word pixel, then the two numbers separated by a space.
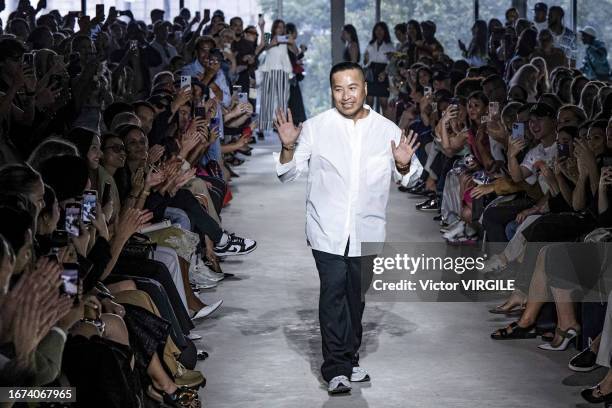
pixel 296 103
pixel 275 71
pixel 352 52
pixel 375 60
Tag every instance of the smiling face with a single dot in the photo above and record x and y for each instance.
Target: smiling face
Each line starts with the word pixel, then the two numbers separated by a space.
pixel 540 127
pixel 566 117
pixel 349 91
pixel 114 153
pixel 94 153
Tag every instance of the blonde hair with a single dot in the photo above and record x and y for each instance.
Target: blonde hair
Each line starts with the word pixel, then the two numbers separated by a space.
pixel 526 78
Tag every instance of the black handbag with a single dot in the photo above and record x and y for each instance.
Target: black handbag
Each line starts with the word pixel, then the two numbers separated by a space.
pixel 139 246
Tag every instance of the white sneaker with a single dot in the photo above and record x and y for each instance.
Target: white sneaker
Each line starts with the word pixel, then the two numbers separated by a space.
pixel 359 375
pixel 203 284
pixel 200 272
pixel 207 310
pixel 339 384
pixel 456 231
pixel 193 336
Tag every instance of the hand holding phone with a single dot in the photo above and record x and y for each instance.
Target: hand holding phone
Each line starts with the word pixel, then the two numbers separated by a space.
pixel 70 279
pixel 90 202
pixel 518 130
pixel 185 81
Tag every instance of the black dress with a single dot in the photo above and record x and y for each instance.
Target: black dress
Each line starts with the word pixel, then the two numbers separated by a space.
pixel 296 103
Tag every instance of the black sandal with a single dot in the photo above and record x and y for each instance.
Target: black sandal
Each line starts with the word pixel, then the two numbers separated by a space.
pixel 589 395
pixel 516 333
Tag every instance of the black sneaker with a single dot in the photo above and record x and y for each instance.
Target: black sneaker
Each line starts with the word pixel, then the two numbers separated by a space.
pixel 584 361
pixel 429 205
pixel 236 246
pixel 419 186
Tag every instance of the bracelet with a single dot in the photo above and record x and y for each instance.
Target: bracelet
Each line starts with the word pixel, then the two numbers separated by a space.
pixel 144 194
pixel 402 168
pixel 290 147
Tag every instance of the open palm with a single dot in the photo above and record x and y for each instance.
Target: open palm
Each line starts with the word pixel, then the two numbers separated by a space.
pixel 403 152
pixel 287 131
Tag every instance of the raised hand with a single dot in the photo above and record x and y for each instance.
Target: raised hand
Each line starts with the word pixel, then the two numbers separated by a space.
pixel 403 152
pixel 288 133
pixel 155 153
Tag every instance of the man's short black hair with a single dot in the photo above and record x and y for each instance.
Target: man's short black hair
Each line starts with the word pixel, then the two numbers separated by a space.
pixel 345 66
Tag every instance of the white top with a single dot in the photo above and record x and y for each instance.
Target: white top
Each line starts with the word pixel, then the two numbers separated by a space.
pixel 541 26
pixel 349 165
pixel 378 54
pixel 543 154
pixel 277 58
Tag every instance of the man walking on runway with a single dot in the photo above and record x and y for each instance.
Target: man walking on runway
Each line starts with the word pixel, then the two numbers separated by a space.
pixel 350 153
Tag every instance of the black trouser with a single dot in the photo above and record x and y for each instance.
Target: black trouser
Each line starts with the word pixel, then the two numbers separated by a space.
pixel 495 218
pixel 200 220
pixel 341 307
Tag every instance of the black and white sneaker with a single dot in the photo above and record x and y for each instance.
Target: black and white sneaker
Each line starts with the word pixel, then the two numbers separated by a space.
pixel 236 246
pixel 584 361
pixel 339 385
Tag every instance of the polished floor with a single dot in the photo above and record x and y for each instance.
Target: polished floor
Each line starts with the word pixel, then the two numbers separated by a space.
pixel 264 342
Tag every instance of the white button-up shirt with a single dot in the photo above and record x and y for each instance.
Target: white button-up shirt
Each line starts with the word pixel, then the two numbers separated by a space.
pixel 349 165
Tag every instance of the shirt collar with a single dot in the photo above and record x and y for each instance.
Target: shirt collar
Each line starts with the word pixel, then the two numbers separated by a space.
pixel 367 118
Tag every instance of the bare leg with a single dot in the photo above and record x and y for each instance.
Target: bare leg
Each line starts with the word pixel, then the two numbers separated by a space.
pixel 537 294
pixel 384 106
pixel 566 315
pixel 160 378
pixel 121 286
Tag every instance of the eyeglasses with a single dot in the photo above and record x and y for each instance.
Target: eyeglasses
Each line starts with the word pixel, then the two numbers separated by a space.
pixel 116 148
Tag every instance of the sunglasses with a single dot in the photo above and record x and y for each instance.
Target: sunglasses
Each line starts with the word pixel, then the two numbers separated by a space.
pixel 116 148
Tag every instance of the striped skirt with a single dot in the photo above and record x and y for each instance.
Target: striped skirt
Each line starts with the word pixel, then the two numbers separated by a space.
pixel 274 93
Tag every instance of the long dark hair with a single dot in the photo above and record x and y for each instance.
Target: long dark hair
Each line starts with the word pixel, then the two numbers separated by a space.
pixel 478 45
pixel 275 24
pixel 385 27
pixel 352 32
pixel 416 26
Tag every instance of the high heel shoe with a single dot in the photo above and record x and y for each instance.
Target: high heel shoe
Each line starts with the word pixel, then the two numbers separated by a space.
pixel 589 395
pixel 567 336
pixel 517 332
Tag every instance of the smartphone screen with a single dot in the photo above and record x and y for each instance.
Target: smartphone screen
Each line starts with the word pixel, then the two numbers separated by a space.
pixel 70 279
pixel 518 130
pixel 90 199
pixel 493 108
pixel 427 90
pixel 243 97
pixel 200 112
pixel 563 150
pixel 72 218
pixel 282 38
pixel 185 81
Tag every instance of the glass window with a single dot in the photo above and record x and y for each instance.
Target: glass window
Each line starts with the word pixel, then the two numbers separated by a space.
pixel 596 13
pixel 313 23
pixel 448 29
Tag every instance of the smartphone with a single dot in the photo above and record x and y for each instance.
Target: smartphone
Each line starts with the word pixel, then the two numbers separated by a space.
pixel 90 200
pixel 70 279
pixel 484 119
pixel 236 89
pixel 28 59
pixel 563 150
pixel 199 112
pixel 106 193
pixel 243 97
pixel 427 90
pixel 185 81
pixel 267 38
pixel 43 4
pixel 260 19
pixel 100 10
pixel 122 12
pixel 282 38
pixel 518 130
pixel 197 15
pixel 493 109
pixel 214 123
pixel 133 44
pixel 72 219
pixel 434 106
pixel 206 14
